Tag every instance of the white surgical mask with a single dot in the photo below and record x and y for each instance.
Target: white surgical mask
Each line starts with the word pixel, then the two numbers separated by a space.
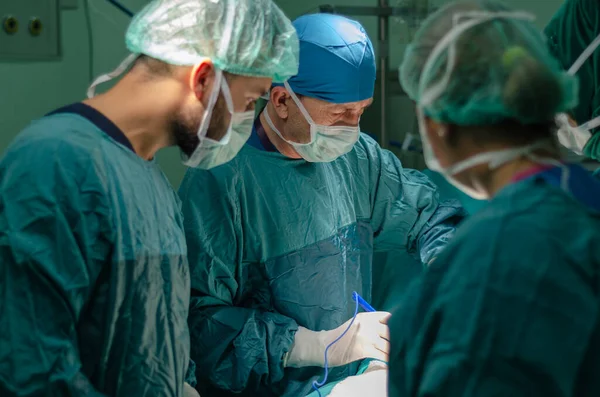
pixel 433 164
pixel 493 159
pixel 327 142
pixel 209 153
pixel 575 138
pixel 572 137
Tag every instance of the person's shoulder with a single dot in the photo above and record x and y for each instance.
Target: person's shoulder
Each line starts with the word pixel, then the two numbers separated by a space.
pixel 495 248
pixel 572 14
pixel 63 132
pixel 366 143
pixel 367 149
pixel 218 180
pixel 590 7
pixel 517 228
pixel 61 144
pixel 504 214
pixel 366 159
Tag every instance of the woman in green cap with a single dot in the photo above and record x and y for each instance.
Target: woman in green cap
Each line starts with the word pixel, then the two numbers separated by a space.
pixel 511 307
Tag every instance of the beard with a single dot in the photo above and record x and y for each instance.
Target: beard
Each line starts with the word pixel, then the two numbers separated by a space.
pixel 184 128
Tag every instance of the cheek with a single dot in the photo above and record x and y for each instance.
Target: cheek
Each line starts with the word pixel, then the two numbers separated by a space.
pixel 191 118
pixel 219 121
pixel 439 148
pixel 324 118
pixel 438 152
pixel 464 179
pixel 297 128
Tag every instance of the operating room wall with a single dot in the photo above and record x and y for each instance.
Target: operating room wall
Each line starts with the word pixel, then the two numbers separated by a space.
pixel 30 89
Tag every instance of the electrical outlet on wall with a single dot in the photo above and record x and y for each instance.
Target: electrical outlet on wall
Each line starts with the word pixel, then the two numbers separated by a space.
pixel 30 30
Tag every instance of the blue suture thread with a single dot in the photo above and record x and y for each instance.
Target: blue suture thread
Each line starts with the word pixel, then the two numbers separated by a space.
pixel 121 7
pixel 359 301
pixel 365 305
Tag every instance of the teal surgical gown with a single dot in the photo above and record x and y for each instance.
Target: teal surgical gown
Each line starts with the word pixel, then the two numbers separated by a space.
pixel 275 243
pixel 512 306
pixel 94 285
pixel 572 29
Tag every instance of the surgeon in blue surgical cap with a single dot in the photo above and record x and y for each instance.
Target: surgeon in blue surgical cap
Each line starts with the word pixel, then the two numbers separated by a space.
pixel 280 237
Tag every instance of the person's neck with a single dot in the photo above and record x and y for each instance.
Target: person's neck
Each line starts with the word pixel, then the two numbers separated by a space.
pixel 282 146
pixel 141 111
pixel 504 175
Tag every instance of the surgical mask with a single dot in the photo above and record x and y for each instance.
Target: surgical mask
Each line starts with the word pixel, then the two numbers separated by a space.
pixel 433 164
pixel 493 159
pixel 209 153
pixel 327 142
pixel 572 137
pixel 575 138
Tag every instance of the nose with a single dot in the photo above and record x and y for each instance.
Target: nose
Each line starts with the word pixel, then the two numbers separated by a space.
pixel 352 118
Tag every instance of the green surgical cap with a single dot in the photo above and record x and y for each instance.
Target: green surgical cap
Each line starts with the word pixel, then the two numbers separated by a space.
pixel 243 37
pixel 479 63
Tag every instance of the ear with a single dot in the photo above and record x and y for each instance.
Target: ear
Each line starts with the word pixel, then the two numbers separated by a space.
pixel 279 100
pixel 436 132
pixel 201 77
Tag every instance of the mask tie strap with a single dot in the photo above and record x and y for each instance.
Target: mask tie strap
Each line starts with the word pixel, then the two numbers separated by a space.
pixel 112 75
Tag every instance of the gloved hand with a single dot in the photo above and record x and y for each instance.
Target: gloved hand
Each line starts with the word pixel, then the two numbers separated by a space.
pixel 189 391
pixel 368 337
pixel 372 383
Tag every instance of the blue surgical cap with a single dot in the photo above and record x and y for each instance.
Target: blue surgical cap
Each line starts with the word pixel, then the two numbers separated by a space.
pixel 337 61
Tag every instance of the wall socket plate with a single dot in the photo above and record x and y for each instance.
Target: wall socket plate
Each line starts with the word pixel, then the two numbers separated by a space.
pixel 30 30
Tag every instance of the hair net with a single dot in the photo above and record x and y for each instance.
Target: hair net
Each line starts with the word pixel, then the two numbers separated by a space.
pixel 337 61
pixel 245 37
pixel 478 63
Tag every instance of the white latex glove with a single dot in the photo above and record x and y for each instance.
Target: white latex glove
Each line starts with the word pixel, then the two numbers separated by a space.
pixel 189 391
pixel 372 383
pixel 368 337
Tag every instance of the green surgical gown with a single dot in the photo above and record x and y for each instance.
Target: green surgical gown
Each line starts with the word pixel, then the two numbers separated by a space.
pixel 275 243
pixel 572 29
pixel 511 307
pixel 94 285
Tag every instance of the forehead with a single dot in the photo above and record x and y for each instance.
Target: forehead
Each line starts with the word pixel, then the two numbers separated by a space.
pixel 325 106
